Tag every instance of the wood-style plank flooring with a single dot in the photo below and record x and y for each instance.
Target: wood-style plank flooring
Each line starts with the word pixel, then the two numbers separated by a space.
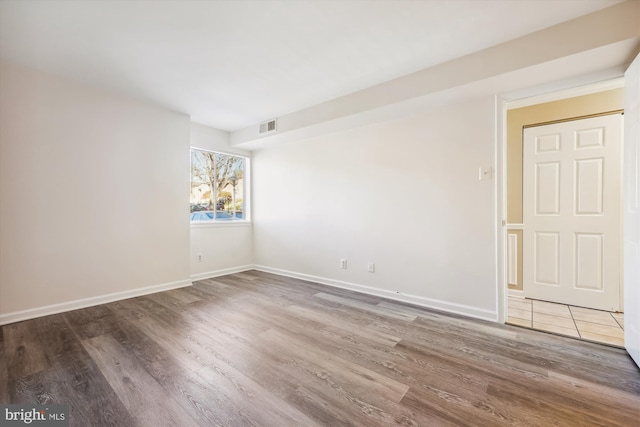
pixel 255 349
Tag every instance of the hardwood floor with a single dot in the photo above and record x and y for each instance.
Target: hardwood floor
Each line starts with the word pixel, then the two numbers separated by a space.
pixel 255 349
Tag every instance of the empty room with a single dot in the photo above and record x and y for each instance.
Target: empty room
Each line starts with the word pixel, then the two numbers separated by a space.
pixel 319 213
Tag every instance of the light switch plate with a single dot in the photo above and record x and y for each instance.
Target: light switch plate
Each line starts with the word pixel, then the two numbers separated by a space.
pixel 485 173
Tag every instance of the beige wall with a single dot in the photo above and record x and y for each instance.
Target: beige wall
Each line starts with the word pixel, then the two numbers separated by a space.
pixel 595 103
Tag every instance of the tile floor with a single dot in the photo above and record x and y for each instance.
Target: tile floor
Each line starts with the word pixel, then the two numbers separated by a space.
pixel 578 322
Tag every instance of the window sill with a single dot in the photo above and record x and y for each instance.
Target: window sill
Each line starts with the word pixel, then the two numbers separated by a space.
pixel 218 224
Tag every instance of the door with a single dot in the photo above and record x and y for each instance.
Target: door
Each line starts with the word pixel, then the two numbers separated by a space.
pixel 571 212
pixel 631 211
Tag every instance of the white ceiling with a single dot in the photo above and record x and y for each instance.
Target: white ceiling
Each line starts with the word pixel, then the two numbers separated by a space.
pixel 231 64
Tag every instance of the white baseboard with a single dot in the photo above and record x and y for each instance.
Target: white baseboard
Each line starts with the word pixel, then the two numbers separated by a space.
pixel 445 306
pixel 47 310
pixel 223 272
pixel 465 310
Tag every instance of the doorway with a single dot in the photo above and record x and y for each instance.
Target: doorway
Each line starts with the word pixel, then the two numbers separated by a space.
pixel 544 310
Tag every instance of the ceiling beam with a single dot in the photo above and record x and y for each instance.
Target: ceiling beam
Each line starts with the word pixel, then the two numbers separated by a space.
pixel 608 27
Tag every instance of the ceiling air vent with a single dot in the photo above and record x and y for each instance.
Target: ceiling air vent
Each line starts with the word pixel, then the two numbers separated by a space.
pixel 267 127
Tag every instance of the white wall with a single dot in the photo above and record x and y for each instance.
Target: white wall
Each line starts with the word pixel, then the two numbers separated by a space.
pixel 224 247
pixel 403 194
pixel 94 190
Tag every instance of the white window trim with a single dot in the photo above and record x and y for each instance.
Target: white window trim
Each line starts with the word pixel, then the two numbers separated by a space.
pixel 208 224
pixel 246 221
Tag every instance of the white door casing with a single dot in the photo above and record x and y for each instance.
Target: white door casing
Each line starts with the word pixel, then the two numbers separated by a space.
pixel 632 211
pixel 571 212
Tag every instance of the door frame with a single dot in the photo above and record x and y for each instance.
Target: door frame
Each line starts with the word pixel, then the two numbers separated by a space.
pixel 504 102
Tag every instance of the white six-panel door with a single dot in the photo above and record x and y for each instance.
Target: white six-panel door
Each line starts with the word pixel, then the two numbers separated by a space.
pixel 571 212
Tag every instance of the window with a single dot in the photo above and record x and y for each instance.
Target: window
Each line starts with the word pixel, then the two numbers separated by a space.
pixel 218 186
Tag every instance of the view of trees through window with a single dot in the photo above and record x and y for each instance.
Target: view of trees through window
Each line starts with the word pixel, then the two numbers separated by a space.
pixel 217 186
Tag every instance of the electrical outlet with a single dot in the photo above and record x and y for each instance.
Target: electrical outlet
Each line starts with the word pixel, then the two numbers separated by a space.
pixel 343 263
pixel 371 268
pixel 199 257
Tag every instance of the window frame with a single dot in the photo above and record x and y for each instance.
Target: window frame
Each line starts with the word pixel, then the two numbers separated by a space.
pixel 246 192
